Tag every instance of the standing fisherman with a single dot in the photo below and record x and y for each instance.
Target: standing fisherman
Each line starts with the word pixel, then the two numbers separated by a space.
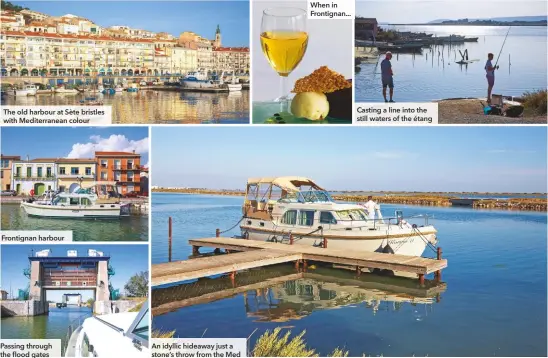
pixel 387 80
pixel 490 75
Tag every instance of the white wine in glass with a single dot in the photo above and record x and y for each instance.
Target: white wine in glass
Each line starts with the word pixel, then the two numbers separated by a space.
pixel 284 40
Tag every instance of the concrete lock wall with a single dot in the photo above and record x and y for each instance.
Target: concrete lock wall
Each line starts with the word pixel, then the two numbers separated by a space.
pixel 102 293
pixel 24 308
pixel 107 307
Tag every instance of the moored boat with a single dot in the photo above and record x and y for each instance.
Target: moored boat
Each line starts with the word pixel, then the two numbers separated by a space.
pixel 199 79
pixel 100 201
pixel 64 90
pixel 27 90
pixel 276 209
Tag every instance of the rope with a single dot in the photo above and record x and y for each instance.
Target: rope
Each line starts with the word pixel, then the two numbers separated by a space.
pixel 428 243
pixel 222 232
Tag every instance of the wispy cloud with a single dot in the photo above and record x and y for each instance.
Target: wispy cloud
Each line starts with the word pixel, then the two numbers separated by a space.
pixel 511 151
pixel 116 142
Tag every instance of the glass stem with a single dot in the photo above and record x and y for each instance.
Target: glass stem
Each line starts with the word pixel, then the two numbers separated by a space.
pixel 284 95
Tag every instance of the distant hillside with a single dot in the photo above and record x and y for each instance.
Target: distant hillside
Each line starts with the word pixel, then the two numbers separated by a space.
pixel 499 19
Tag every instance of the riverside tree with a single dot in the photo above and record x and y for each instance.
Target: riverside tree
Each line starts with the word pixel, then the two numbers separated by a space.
pixel 137 286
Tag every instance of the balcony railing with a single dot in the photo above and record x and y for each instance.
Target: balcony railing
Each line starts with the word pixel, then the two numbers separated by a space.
pixel 34 177
pixel 70 175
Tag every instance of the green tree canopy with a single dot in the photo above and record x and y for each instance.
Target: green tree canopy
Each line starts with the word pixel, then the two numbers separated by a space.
pixel 6 5
pixel 137 286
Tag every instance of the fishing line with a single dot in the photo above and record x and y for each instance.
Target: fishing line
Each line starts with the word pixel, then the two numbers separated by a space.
pixel 509 28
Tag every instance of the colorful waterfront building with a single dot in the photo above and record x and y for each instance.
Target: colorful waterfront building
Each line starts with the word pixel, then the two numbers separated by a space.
pixel 231 59
pixel 34 176
pixel 6 162
pixel 122 167
pixel 74 173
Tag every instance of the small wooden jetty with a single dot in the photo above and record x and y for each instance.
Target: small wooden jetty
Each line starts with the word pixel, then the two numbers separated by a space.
pixel 253 254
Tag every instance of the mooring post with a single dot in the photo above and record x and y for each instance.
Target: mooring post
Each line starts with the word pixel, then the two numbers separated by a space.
pixel 290 239
pixel 217 232
pixel 169 237
pixel 437 274
pixel 195 250
pixel 358 271
pixel 233 278
pixel 324 243
pixel 297 265
pixel 305 265
pixel 421 279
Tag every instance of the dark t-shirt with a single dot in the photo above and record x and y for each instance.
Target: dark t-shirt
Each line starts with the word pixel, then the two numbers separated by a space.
pixel 386 69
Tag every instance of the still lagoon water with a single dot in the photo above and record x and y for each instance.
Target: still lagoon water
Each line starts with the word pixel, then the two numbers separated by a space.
pixel 494 301
pixel 434 75
pixel 131 228
pixel 51 326
pixel 157 107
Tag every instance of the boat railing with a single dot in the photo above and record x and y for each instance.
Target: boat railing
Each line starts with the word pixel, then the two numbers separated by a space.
pixel 74 325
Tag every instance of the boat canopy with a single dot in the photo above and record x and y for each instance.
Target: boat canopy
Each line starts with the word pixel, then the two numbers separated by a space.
pixel 288 183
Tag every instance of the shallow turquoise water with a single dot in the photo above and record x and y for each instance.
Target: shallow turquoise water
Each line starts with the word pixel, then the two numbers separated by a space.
pixel 494 302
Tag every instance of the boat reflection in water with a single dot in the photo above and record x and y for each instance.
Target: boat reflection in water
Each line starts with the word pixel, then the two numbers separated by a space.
pixel 279 294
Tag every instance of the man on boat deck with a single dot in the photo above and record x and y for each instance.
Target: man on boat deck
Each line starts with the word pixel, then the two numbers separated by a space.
pixel 490 75
pixel 387 80
pixel 371 207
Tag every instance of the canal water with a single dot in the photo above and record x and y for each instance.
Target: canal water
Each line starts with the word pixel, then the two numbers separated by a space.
pixel 429 76
pixel 131 228
pixel 157 107
pixel 51 326
pixel 494 303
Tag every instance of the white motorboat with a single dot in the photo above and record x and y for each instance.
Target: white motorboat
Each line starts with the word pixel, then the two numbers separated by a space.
pixel 275 208
pixel 64 90
pixel 112 335
pixel 27 90
pixel 100 201
pixel 119 88
pixel 98 89
pixel 234 85
pixel 199 79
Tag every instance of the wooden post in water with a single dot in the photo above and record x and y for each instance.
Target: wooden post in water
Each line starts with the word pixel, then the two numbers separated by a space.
pixel 421 279
pixel 217 233
pixel 437 274
pixel 290 239
pixel 324 242
pixel 169 238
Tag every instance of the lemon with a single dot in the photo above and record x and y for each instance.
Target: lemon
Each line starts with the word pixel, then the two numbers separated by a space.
pixel 311 105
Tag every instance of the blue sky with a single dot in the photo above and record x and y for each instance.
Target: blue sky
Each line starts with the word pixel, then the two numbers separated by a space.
pixel 172 17
pixel 79 142
pixel 493 159
pixel 412 11
pixel 127 260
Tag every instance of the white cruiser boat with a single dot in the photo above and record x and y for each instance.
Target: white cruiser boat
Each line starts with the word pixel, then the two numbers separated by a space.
pixel 64 90
pixel 101 201
pixel 274 208
pixel 27 90
pixel 112 335
pixel 199 79
pixel 234 85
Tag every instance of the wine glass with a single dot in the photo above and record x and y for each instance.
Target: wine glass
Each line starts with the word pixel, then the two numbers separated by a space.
pixel 284 40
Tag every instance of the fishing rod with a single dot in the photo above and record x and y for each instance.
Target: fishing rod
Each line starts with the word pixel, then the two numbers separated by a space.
pixel 509 28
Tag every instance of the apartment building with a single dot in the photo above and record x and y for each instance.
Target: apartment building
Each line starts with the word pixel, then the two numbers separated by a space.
pixel 6 162
pixel 34 176
pixel 121 167
pixel 231 59
pixel 73 173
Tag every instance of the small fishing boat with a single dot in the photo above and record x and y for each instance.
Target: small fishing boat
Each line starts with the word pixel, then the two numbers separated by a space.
pixel 275 208
pixel 133 87
pixel 96 89
pixel 234 85
pixel 64 90
pixel 471 39
pixel 119 89
pixel 100 201
pixel 200 79
pixel 111 335
pixel 108 90
pixel 27 90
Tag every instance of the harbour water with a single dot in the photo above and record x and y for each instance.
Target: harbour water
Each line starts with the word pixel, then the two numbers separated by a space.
pixel 494 302
pixel 131 228
pixel 51 326
pixel 434 75
pixel 157 107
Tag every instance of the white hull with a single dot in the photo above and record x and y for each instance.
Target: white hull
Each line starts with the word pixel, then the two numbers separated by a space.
pixel 234 87
pixel 200 84
pixel 66 91
pixel 76 211
pixel 403 241
pixel 22 93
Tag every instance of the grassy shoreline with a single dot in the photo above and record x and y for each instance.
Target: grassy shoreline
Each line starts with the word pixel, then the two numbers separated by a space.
pixel 423 199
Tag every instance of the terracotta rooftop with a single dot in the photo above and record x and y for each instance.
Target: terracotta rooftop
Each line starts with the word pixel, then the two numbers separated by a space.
pixel 72 36
pixel 232 49
pixel 11 157
pixel 113 154
pixel 76 160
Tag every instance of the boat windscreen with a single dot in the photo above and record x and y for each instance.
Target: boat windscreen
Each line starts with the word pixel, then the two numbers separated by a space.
pixel 351 215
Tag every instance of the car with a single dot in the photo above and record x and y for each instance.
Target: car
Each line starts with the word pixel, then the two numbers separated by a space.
pixel 132 194
pixel 9 193
pixel 142 83
pixel 149 83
